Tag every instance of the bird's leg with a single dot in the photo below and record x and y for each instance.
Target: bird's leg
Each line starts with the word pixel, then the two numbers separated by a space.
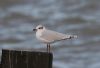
pixel 49 47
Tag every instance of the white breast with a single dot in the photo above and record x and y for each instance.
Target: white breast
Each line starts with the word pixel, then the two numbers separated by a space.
pixel 38 34
pixel 39 37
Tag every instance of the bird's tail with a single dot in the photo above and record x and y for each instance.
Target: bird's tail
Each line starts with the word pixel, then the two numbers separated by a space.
pixel 71 36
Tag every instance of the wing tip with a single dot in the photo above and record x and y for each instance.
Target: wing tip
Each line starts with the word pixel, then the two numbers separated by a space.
pixel 71 36
pixel 75 36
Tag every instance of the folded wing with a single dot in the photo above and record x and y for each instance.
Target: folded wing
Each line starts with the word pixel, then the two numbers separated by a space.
pixel 51 36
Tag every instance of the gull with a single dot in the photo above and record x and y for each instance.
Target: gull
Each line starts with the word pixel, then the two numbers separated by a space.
pixel 48 36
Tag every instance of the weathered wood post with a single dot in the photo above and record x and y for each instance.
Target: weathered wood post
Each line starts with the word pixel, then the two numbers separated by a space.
pixel 26 59
pixel 0 66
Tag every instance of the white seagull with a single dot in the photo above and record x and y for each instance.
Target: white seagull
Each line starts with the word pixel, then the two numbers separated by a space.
pixel 48 36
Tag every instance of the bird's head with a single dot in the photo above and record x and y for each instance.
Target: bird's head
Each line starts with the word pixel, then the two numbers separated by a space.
pixel 39 28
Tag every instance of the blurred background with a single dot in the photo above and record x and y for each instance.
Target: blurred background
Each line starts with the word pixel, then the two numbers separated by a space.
pixel 79 17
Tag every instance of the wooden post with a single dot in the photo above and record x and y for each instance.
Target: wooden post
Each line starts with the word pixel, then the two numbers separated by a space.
pixel 0 66
pixel 26 59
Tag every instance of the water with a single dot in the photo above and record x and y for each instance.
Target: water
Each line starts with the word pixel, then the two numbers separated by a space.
pixel 80 17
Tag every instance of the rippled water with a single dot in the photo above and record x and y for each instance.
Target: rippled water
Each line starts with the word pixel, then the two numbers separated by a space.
pixel 80 17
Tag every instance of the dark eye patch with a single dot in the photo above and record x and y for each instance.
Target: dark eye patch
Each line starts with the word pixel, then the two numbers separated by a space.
pixel 40 27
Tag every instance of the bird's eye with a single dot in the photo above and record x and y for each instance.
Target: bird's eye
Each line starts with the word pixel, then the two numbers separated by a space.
pixel 41 28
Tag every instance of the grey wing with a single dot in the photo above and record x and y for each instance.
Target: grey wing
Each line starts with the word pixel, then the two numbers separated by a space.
pixel 53 36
